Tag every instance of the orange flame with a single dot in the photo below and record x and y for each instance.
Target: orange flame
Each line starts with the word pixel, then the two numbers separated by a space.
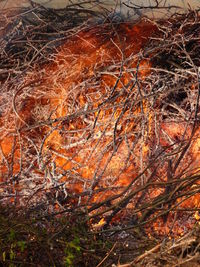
pixel 68 118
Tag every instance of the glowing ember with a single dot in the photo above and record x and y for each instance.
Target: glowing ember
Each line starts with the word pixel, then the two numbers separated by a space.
pixel 83 123
pixel 99 225
pixel 83 77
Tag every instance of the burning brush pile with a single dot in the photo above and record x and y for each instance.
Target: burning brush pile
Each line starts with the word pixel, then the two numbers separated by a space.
pixel 101 119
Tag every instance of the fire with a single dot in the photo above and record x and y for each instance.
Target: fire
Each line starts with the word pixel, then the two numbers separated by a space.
pixel 77 120
pixel 89 90
pixel 99 225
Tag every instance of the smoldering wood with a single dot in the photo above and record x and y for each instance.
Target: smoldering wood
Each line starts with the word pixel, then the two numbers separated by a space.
pixel 31 39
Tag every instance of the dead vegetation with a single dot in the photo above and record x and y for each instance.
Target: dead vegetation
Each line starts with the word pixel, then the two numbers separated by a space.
pixel 101 121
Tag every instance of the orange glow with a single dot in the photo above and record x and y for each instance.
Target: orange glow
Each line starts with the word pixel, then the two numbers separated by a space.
pixel 99 225
pixel 76 64
pixel 69 120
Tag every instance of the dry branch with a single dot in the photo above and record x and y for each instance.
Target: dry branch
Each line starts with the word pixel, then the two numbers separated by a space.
pixel 116 137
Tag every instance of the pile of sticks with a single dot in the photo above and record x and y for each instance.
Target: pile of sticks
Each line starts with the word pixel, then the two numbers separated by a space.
pixel 152 126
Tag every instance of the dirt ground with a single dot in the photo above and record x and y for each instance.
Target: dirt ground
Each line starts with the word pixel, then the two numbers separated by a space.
pixel 111 5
